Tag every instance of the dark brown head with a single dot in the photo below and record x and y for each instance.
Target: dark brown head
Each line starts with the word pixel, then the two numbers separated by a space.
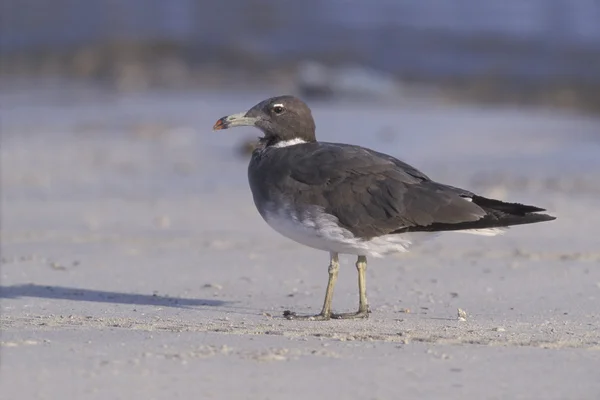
pixel 282 119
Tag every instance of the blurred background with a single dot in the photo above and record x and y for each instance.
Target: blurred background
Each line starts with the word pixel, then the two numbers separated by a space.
pixel 540 52
pixel 117 98
pixel 124 93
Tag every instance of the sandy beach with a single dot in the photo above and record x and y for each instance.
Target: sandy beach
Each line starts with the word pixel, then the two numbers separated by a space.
pixel 135 266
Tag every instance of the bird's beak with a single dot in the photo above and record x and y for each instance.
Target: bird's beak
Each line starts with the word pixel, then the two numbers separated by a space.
pixel 233 120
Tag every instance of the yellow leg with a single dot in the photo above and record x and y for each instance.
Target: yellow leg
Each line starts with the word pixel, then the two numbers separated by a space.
pixel 325 314
pixel 363 306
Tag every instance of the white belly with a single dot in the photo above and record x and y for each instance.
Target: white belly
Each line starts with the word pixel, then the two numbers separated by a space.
pixel 319 230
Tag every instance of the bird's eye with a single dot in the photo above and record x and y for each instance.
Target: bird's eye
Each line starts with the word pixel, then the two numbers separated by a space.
pixel 278 108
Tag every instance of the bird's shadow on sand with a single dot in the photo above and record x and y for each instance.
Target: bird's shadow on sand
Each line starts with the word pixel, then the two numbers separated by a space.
pixel 100 296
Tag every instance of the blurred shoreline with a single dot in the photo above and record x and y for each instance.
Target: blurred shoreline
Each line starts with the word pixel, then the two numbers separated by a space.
pixel 139 67
pixel 540 53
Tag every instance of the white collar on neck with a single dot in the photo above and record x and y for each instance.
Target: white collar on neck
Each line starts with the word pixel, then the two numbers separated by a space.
pixel 291 142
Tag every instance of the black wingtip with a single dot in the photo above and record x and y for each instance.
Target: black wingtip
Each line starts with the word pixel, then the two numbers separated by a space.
pixel 509 208
pixel 533 218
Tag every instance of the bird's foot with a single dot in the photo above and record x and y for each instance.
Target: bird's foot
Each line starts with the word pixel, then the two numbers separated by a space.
pixel 360 314
pixel 293 316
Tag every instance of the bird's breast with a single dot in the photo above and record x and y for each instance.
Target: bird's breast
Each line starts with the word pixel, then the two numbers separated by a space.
pixel 267 180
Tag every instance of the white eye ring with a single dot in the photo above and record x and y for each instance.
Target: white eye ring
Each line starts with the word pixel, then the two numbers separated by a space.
pixel 278 108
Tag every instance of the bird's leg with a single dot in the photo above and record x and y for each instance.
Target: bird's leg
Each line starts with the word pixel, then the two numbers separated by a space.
pixel 325 314
pixel 363 306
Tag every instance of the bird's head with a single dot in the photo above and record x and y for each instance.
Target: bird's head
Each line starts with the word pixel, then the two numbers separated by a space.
pixel 282 119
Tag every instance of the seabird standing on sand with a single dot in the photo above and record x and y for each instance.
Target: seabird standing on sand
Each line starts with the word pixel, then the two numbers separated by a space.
pixel 348 199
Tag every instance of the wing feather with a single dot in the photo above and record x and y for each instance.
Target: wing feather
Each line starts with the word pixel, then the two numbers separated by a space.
pixel 373 194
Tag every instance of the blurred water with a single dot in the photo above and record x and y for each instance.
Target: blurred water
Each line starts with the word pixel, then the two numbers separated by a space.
pixel 514 37
pixel 29 25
